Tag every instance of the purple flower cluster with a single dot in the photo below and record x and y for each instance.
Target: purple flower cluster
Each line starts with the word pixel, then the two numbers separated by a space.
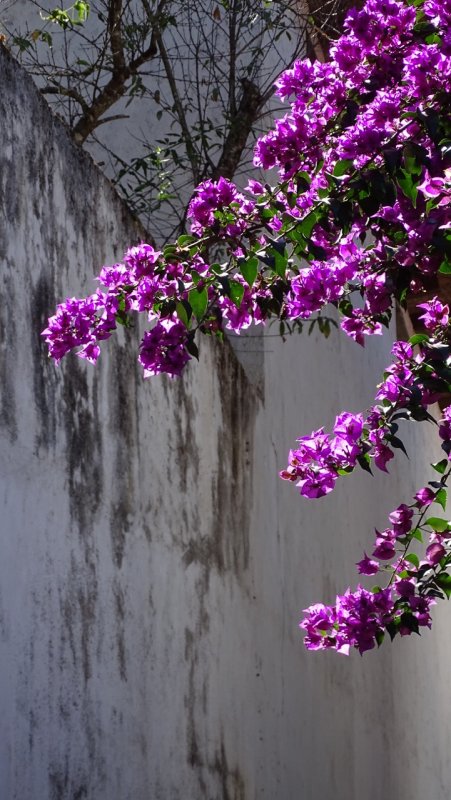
pixel 356 620
pixel 220 196
pixel 365 109
pixel 360 218
pixel 379 58
pixel 134 285
pixel 163 349
pixel 360 618
pixel 385 543
pixel 319 458
pixel 81 323
pixel 436 315
pixel 317 285
pixel 315 463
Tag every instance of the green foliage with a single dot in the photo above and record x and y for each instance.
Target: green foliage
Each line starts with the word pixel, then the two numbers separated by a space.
pixel 249 269
pixel 443 581
pixel 437 524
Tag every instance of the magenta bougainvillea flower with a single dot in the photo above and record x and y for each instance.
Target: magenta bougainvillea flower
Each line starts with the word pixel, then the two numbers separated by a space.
pixel 356 219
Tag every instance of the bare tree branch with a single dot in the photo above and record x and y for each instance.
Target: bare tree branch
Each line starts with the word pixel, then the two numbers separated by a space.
pixel 67 93
pixel 115 34
pixel 190 148
pixel 240 127
pixel 117 85
pixel 206 71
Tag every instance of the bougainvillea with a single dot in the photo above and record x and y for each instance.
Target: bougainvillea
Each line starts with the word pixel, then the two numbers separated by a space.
pixel 359 219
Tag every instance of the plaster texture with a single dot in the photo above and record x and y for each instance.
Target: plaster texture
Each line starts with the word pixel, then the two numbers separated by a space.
pixel 153 567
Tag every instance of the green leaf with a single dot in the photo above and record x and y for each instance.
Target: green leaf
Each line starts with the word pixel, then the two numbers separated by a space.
pixel 192 347
pixel 441 498
pixel 393 627
pixel 82 9
pixel 302 184
pixel 424 28
pixel 22 43
pixel 408 186
pixel 183 310
pixel 412 558
pixel 59 16
pixel 409 621
pixel 365 461
pixel 122 318
pixel 416 534
pixel 440 466
pixel 198 300
pixel 169 250
pixel 379 636
pixel 414 156
pixel 304 177
pixel 342 166
pixel 443 581
pixel 419 338
pixel 249 269
pixel 267 214
pixel 236 292
pixel 437 524
pixel 47 38
pixel 185 240
pixel 445 267
pixel 280 259
pixel 305 227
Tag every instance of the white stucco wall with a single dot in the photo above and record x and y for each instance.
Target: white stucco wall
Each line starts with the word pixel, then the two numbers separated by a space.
pixel 153 566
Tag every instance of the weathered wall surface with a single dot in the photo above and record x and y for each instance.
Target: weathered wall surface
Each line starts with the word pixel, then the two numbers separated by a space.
pixel 153 566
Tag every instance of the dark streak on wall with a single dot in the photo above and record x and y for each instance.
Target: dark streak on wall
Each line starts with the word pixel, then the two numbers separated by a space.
pixel 8 360
pixel 45 379
pixel 96 621
pixel 123 423
pixel 226 546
